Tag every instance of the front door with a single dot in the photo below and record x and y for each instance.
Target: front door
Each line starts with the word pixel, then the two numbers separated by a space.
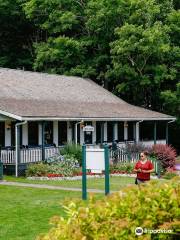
pixel 88 135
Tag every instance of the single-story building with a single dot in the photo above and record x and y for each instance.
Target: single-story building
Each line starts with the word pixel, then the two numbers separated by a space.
pixel 47 110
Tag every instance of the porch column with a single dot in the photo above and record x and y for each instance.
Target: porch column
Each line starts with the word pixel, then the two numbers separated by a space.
pixel 105 131
pixel 81 135
pixel 155 132
pixel 55 132
pixel 137 132
pixel 167 133
pixel 102 132
pixel 40 133
pixel 125 131
pixel 69 132
pixel 7 133
pixel 115 130
pixel 42 138
pixel 25 134
pixel 94 133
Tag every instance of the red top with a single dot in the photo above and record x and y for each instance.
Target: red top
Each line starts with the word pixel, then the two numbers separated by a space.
pixel 146 166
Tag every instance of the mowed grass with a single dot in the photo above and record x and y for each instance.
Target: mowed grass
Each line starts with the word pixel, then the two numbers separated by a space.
pixel 25 212
pixel 116 182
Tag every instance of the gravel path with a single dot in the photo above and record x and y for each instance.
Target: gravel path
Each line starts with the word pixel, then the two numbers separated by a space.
pixel 18 184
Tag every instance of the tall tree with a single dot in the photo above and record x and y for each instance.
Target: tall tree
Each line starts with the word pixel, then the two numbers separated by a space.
pixel 15 36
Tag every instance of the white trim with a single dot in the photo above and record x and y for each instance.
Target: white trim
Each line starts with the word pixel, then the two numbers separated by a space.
pixel 84 118
pixel 11 115
pixel 94 119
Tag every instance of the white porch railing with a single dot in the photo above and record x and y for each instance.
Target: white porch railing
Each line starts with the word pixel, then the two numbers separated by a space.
pixel 29 155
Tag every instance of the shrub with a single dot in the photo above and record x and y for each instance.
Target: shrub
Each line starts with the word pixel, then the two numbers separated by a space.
pixel 75 150
pixel 153 206
pixel 122 167
pixel 65 167
pixel 37 169
pixel 165 154
pixel 170 173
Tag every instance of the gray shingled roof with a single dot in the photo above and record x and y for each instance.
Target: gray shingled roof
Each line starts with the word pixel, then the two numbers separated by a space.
pixel 40 95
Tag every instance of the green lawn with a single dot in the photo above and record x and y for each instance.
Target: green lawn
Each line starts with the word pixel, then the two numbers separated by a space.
pixel 25 212
pixel 116 183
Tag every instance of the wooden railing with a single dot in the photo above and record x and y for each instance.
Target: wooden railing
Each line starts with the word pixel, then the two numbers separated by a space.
pixel 27 155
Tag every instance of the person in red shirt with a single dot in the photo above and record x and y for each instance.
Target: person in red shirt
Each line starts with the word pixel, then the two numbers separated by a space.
pixel 143 168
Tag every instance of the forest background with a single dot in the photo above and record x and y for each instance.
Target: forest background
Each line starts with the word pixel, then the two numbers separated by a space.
pixel 130 47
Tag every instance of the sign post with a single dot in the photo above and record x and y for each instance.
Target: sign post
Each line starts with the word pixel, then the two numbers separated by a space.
pixel 84 182
pixel 96 160
pixel 106 157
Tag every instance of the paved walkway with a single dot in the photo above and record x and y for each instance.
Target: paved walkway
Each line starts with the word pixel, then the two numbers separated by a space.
pixel 18 184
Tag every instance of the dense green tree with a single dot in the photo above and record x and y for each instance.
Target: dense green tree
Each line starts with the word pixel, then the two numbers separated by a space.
pixel 129 46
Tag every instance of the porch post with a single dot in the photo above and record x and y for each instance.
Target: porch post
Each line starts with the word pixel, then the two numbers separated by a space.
pixel 167 133
pixel 81 135
pixel 137 132
pixel 125 131
pixel 25 134
pixel 105 131
pixel 7 133
pixel 94 133
pixel 55 132
pixel 42 137
pixel 102 132
pixel 155 132
pixel 115 130
pixel 69 132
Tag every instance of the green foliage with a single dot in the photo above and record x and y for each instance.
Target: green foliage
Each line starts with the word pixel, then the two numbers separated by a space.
pixel 74 150
pixel 170 175
pixel 37 170
pixel 66 167
pixel 122 167
pixel 153 206
pixel 16 36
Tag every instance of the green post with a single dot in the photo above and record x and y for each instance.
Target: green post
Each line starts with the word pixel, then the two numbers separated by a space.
pixel 106 155
pixel 155 132
pixel 84 183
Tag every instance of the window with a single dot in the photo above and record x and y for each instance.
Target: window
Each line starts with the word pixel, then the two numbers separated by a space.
pixel 48 133
pixel 88 135
pixel 62 133
pixel 2 134
pixel 99 132
pixel 146 130
pixel 120 131
pixel 131 131
pixel 110 130
pixel 33 131
pixel 161 130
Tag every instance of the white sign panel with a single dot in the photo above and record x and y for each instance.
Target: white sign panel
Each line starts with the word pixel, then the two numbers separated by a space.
pixel 95 160
pixel 88 128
